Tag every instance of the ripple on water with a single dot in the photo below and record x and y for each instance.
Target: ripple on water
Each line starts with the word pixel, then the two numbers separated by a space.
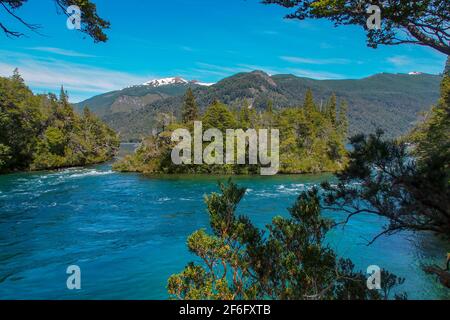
pixel 134 228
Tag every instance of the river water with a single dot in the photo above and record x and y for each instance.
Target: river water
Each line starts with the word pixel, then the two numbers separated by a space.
pixel 127 232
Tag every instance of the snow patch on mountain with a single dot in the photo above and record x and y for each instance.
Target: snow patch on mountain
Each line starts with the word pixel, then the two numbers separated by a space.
pixel 165 82
pixel 172 81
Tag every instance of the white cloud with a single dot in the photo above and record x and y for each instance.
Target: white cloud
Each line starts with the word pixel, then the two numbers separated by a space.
pixel 187 48
pixel 214 67
pixel 399 61
pixel 326 45
pixel 302 60
pixel 318 75
pixel 47 75
pixel 406 64
pixel 216 70
pixel 62 52
pixel 270 32
pixel 269 70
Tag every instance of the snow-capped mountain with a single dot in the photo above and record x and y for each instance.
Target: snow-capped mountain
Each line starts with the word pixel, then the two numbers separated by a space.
pixel 173 80
pixel 165 82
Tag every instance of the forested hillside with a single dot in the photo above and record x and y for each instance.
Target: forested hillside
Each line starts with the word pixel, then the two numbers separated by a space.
pixel 392 102
pixel 39 132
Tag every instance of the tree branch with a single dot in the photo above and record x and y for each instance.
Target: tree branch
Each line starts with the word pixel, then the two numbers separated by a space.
pixel 30 26
pixel 10 33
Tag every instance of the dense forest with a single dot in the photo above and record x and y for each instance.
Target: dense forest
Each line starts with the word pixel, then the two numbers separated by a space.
pixel 312 138
pixel 39 132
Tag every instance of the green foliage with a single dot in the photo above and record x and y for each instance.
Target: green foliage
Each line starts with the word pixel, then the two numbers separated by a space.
pixel 5 155
pixel 310 140
pixel 407 181
pixel 383 179
pixel 292 262
pixel 248 118
pixel 431 137
pixel 43 132
pixel 152 156
pixel 190 110
pixel 55 140
pixel 331 109
pixel 419 22
pixel 20 121
pixel 218 116
pixel 411 189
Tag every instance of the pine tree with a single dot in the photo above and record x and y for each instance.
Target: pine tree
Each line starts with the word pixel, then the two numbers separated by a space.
pixel 331 109
pixel 16 76
pixel 343 120
pixel 65 108
pixel 218 116
pixel 63 97
pixel 247 115
pixel 270 107
pixel 190 111
pixel 309 104
pixel 268 116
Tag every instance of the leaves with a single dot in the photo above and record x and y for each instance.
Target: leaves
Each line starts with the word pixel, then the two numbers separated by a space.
pixel 418 22
pixel 43 132
pixel 91 23
pixel 189 111
pixel 406 183
pixel 287 261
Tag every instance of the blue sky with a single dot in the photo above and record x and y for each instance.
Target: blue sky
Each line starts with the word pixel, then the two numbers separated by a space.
pixel 197 39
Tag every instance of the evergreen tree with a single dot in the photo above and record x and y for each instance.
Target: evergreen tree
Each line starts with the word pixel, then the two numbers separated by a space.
pixel 218 116
pixel 189 111
pixel 342 126
pixel 268 115
pixel 63 96
pixel 331 109
pixel 16 76
pixel 309 104
pixel 247 116
pixel 269 107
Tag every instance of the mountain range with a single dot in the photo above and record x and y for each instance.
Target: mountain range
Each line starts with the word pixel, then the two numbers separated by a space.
pixel 392 102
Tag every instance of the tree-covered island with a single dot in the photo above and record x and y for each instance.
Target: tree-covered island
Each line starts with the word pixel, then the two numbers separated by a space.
pixel 312 137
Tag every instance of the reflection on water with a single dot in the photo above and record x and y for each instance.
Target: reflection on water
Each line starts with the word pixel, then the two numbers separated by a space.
pixel 127 232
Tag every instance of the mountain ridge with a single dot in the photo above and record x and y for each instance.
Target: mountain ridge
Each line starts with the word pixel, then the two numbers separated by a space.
pixel 389 101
